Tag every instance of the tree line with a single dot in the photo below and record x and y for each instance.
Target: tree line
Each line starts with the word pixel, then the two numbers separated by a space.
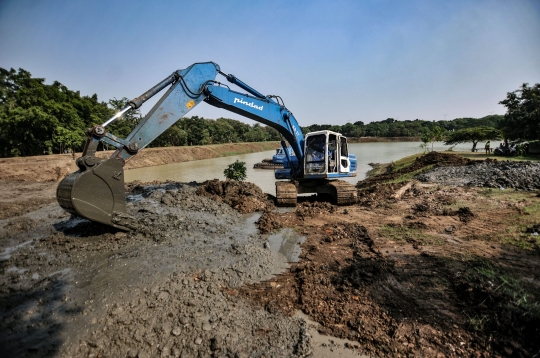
pixel 391 127
pixel 38 118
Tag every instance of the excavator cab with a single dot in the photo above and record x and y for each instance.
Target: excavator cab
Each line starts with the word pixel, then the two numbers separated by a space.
pixel 327 155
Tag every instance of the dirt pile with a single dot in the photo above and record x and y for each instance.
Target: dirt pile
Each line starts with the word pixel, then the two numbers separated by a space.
pixel 268 222
pixel 243 196
pixel 377 195
pixel 43 168
pixel 418 269
pixel 159 290
pixel 422 273
pixel 491 174
pixel 432 158
pixel 440 159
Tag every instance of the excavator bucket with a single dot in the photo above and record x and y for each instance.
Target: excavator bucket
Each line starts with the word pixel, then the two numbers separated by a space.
pixel 97 194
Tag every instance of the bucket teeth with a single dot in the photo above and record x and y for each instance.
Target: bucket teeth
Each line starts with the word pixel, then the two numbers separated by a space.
pixel 97 194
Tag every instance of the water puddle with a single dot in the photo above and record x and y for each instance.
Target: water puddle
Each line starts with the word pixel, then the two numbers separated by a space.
pixel 285 242
pixel 328 346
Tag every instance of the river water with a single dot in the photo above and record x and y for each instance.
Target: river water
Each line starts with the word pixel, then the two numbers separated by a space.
pixel 207 169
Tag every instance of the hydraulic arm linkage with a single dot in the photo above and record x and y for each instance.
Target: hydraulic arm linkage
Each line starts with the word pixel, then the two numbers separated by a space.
pixel 96 190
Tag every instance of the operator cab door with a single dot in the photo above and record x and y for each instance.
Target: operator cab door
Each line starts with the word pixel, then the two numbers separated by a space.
pixel 344 162
pixel 316 154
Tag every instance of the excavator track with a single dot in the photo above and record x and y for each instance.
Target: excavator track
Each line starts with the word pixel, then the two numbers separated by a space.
pixel 286 193
pixel 345 193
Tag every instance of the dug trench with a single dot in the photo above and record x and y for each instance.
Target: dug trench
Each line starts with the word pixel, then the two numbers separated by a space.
pixel 416 268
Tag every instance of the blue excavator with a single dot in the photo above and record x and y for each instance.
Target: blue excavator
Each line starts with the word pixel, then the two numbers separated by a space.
pixel 96 191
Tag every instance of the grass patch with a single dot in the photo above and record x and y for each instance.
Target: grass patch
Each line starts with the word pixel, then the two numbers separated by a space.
pixel 482 156
pixel 523 212
pixel 388 168
pixel 377 169
pixel 504 289
pixel 235 152
pixel 405 162
pixel 477 322
pixel 410 175
pixel 406 234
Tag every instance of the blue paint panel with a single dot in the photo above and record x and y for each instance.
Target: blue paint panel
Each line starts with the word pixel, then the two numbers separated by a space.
pixel 174 104
pixel 264 110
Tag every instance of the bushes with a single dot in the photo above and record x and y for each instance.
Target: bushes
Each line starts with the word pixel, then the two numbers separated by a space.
pixel 236 171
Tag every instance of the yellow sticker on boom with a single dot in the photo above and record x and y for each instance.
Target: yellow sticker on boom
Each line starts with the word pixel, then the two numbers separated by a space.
pixel 190 104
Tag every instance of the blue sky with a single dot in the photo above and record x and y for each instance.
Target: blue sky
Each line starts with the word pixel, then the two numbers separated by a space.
pixel 332 62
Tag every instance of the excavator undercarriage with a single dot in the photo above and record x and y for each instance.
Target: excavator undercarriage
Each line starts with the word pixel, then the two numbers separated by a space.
pixel 339 191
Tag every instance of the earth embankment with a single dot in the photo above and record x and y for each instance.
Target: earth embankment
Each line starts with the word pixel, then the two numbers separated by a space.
pixel 47 168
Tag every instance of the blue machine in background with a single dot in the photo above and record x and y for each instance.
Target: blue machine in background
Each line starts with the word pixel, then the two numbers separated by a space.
pixel 280 157
pixel 96 191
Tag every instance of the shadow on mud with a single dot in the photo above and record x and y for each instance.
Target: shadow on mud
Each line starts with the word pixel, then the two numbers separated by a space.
pixel 409 298
pixel 31 313
pixel 79 227
pixel 472 304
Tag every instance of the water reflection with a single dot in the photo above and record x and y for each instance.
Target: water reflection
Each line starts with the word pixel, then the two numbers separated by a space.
pixel 287 242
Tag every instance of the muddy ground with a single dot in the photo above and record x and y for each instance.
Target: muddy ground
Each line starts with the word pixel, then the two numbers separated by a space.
pixel 414 269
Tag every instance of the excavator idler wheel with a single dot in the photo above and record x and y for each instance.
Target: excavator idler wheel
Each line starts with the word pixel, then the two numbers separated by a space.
pixel 97 194
pixel 286 194
pixel 344 193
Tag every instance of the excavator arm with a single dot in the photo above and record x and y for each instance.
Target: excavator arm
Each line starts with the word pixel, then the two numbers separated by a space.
pixel 264 110
pixel 96 190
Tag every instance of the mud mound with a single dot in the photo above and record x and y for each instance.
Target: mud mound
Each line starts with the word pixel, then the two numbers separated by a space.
pixel 403 303
pixel 20 224
pixel 309 210
pixel 465 214
pixel 491 174
pixel 432 158
pixel 377 195
pixel 441 159
pixel 243 196
pixel 8 210
pixel 159 290
pixel 268 222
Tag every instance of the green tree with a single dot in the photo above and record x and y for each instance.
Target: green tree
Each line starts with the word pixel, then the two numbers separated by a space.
pixel 236 171
pixel 473 135
pixel 222 132
pixel 436 134
pixel 67 139
pixel 174 136
pixel 426 138
pixel 36 117
pixel 522 119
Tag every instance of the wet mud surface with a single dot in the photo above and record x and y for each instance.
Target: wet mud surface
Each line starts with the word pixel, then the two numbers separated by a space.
pixel 416 276
pixel 413 269
pixel 75 288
